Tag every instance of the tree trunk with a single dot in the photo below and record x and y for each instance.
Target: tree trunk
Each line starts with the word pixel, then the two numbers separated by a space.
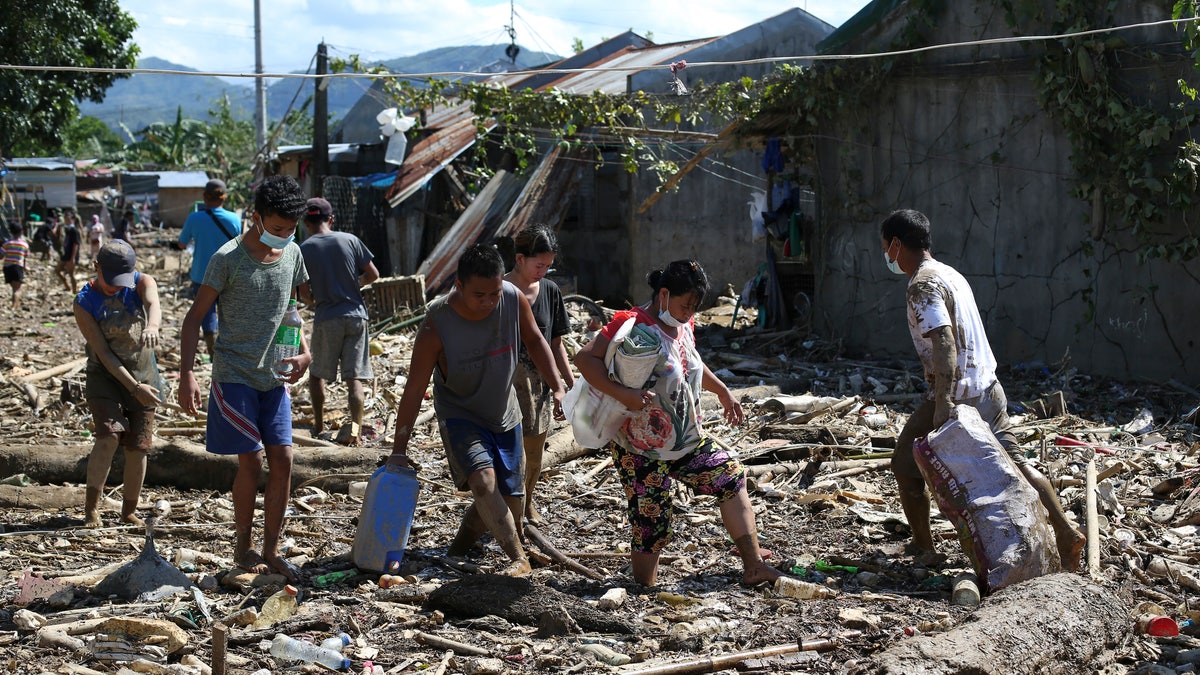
pixel 562 448
pixel 179 463
pixel 1061 623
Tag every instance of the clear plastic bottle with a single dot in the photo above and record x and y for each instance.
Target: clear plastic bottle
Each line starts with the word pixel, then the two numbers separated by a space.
pixel 287 340
pixel 287 648
pixel 337 643
pixel 277 607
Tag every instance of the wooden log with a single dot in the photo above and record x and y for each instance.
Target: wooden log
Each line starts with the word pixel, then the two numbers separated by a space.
pixel 182 464
pixel 562 448
pixel 220 637
pixel 552 551
pixel 453 645
pixel 712 664
pixel 56 370
pixel 1053 625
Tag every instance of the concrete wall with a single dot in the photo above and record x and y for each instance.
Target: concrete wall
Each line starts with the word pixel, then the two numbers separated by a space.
pixel 971 148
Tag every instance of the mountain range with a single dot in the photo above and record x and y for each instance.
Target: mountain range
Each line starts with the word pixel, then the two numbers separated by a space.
pixel 145 98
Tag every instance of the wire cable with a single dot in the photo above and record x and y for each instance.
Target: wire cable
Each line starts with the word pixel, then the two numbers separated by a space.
pixel 571 71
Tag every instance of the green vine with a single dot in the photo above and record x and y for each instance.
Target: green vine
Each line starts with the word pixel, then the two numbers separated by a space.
pixel 1132 159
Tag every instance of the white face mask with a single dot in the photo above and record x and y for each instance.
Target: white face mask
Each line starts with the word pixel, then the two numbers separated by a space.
pixel 273 240
pixel 892 265
pixel 665 316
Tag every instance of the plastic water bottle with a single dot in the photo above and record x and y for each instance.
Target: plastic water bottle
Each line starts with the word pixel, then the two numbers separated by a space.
pixel 385 519
pixel 336 643
pixel 277 607
pixel 287 340
pixel 794 588
pixel 287 648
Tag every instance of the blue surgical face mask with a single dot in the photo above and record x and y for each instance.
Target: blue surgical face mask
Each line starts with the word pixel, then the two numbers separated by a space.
pixel 273 240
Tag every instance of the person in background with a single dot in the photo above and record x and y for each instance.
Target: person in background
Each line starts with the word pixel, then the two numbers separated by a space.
pixel 338 264
pixel 960 369
pixel 95 238
pixel 71 241
pixel 468 345
pixel 123 226
pixel 665 442
pixel 16 251
pixel 532 254
pixel 119 315
pixel 47 236
pixel 249 410
pixel 208 229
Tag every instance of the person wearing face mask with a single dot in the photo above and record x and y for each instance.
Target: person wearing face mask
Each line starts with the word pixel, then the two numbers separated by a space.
pixel 249 410
pixel 950 339
pixel 467 345
pixel 119 315
pixel 664 441
pixel 529 256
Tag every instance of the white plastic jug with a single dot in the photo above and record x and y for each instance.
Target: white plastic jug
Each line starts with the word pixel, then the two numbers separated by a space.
pixel 385 519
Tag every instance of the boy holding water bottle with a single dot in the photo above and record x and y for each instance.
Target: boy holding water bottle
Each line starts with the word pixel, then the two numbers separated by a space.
pixel 249 410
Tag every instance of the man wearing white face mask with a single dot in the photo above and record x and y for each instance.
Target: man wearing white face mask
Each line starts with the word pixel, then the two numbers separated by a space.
pixel 959 368
pixel 249 410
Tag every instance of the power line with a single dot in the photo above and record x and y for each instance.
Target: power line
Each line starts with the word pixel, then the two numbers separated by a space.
pixel 572 71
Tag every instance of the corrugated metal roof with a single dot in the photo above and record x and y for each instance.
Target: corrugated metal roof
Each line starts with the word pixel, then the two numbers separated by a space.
pixel 43 163
pixel 430 155
pixel 182 179
pixel 615 82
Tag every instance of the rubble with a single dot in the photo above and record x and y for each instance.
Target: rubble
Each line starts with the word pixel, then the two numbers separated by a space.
pixel 825 503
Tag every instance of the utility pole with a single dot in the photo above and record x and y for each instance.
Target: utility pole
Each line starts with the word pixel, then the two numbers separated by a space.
pixel 260 87
pixel 320 148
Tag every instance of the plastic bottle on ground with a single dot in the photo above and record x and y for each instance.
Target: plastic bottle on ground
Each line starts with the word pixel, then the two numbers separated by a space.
pixel 337 643
pixel 795 588
pixel 287 648
pixel 277 607
pixel 287 340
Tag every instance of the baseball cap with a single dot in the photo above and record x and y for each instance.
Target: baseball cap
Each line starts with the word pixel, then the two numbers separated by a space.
pixel 117 260
pixel 214 187
pixel 318 208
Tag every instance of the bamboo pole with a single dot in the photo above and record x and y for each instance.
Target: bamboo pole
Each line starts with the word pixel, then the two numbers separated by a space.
pixel 543 543
pixel 1093 523
pixel 56 370
pixel 712 664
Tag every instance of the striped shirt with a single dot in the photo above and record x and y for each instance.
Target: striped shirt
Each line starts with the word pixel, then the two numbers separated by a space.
pixel 15 252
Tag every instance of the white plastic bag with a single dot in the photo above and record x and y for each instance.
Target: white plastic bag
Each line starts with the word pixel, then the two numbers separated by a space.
pixel 1001 523
pixel 595 417
pixel 758 204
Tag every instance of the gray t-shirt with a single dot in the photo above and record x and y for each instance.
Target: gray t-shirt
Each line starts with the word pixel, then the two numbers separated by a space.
pixel 481 359
pixel 254 297
pixel 333 261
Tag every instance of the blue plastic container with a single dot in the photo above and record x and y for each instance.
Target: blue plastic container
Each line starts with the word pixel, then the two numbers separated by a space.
pixel 385 520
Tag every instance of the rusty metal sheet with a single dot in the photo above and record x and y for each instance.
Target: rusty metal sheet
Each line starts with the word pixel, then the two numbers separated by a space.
pixel 429 156
pixel 548 193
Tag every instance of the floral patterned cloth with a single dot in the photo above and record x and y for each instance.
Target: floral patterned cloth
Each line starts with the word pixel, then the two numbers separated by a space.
pixel 668 429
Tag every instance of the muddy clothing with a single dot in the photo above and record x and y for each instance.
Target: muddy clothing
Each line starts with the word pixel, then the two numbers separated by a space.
pixel 669 428
pixel 533 394
pixel 939 296
pixel 121 318
pixel 481 360
pixel 254 297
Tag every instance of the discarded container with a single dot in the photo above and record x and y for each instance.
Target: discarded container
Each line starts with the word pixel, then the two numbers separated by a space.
pixel 709 625
pixel 336 643
pixel 290 649
pixel 966 590
pixel 371 668
pixel 277 607
pixel 604 654
pixel 19 480
pixel 333 578
pixel 1157 626
pixel 385 519
pixel 795 588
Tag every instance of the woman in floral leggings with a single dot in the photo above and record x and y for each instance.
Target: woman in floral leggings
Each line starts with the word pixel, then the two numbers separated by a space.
pixel 663 441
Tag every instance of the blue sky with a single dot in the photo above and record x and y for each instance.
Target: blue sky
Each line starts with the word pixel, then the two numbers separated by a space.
pixel 218 35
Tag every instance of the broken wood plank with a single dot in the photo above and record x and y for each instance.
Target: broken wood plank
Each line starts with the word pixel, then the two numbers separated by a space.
pixel 56 370
pixel 453 645
pixel 543 543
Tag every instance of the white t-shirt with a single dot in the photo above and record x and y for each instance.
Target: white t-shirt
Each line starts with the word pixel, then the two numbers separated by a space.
pixel 96 233
pixel 939 296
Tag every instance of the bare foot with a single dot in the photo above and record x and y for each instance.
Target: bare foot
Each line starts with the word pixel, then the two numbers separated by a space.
pixel 92 519
pixel 517 568
pixel 531 513
pixel 132 519
pixel 253 563
pixel 318 426
pixel 1071 549
pixel 280 565
pixel 759 573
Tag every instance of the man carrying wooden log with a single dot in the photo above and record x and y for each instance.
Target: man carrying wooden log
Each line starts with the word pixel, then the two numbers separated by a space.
pixel 950 339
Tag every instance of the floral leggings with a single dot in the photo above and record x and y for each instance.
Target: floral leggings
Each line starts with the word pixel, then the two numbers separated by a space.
pixel 708 470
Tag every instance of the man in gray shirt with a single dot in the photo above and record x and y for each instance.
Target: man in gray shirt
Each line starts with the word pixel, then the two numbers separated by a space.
pixel 339 264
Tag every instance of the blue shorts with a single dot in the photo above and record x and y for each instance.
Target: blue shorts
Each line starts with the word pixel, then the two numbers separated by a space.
pixel 209 323
pixel 243 419
pixel 471 448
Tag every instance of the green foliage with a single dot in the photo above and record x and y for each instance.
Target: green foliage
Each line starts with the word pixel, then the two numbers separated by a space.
pixel 576 45
pixel 89 138
pixel 184 145
pixel 1133 159
pixel 35 105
